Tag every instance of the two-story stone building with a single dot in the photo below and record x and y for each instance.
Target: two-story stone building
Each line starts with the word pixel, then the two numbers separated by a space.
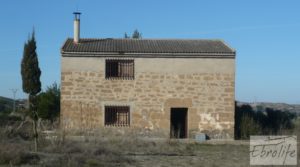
pixel 167 87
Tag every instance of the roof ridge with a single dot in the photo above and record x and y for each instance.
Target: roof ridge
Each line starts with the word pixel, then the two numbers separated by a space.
pixel 162 39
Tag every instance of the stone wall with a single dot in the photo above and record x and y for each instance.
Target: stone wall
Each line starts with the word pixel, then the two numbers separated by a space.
pixel 208 95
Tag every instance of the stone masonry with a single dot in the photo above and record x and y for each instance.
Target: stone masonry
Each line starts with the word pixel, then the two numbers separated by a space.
pixel 204 86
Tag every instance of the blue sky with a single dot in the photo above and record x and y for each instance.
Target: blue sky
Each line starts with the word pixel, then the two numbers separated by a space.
pixel 264 33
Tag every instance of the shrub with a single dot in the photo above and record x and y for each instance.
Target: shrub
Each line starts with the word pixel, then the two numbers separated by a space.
pixel 15 154
pixel 249 127
pixel 49 103
pixel 249 122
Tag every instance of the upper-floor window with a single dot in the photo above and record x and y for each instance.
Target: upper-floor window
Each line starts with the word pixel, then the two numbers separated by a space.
pixel 119 69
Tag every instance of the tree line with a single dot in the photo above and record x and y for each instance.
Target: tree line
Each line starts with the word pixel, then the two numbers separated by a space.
pixel 262 121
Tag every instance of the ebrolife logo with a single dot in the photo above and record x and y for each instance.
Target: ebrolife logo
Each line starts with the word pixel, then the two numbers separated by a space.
pixel 273 150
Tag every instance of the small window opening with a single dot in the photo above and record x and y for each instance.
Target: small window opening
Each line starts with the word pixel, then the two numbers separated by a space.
pixel 119 69
pixel 117 116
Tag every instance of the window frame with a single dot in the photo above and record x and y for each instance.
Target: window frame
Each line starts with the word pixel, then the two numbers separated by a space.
pixel 123 69
pixel 117 116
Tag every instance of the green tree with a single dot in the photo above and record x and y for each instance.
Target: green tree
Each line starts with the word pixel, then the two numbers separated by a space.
pixel 31 83
pixel 49 103
pixel 126 35
pixel 262 122
pixel 136 34
pixel 249 127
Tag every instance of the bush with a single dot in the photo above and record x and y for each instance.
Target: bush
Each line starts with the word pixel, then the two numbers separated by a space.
pixel 7 119
pixel 249 122
pixel 15 154
pixel 49 103
pixel 249 127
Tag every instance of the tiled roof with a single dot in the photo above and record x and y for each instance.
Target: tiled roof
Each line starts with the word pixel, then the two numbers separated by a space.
pixel 127 46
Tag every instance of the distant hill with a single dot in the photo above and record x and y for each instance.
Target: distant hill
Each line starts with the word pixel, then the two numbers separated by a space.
pixel 5 99
pixel 277 106
pixel 6 104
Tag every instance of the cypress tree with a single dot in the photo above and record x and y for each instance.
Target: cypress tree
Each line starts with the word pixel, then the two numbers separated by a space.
pixel 31 83
pixel 126 35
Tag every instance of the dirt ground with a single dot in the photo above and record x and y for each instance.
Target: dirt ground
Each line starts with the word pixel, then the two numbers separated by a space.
pixel 16 149
pixel 201 155
pixel 120 152
pixel 127 153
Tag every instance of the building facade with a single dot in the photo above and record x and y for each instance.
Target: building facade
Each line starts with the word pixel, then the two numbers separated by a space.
pixel 140 84
pixel 162 87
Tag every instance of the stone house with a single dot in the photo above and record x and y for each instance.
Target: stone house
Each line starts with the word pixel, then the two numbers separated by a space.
pixel 165 87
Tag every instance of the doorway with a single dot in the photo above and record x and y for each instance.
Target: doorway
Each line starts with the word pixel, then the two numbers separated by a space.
pixel 178 123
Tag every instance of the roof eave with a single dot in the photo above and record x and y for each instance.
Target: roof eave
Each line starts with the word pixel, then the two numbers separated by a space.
pixel 64 44
pixel 144 55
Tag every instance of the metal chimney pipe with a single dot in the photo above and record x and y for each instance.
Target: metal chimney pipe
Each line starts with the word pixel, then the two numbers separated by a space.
pixel 76 27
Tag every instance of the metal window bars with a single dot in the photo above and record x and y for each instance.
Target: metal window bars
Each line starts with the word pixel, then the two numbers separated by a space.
pixel 119 69
pixel 117 116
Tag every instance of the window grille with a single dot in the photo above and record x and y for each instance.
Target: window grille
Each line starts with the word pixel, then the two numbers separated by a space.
pixel 117 116
pixel 119 69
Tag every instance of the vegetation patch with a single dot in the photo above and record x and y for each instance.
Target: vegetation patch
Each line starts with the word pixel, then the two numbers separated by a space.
pixel 262 122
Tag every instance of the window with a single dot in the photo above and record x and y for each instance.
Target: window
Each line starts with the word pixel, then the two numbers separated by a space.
pixel 117 116
pixel 117 68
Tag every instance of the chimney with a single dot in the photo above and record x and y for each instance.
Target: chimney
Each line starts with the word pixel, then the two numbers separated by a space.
pixel 76 27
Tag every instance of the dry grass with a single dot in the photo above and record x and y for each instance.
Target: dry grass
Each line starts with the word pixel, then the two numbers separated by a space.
pixel 124 151
pixel 117 151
